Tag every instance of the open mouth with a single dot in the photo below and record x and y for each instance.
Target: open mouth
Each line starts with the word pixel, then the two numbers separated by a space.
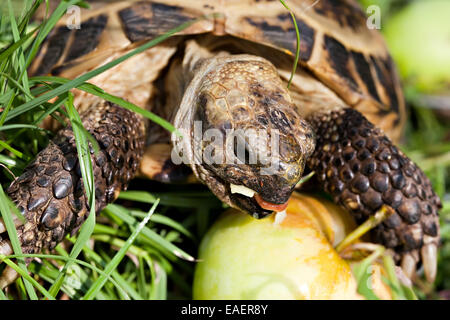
pixel 251 194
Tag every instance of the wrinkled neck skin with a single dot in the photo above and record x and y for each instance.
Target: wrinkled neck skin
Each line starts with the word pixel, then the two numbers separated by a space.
pixel 240 94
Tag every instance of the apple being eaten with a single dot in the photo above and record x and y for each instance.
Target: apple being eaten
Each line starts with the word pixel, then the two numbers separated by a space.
pixel 289 257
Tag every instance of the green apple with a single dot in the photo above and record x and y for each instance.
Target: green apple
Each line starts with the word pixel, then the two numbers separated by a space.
pixel 244 258
pixel 419 40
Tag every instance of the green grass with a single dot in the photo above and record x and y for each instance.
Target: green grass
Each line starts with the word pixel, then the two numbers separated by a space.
pixel 144 245
pixel 123 235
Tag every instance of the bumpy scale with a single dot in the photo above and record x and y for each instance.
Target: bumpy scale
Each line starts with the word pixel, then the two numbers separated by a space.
pixel 51 194
pixel 360 167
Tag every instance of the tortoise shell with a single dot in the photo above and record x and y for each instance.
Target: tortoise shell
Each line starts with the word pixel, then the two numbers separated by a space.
pixel 336 45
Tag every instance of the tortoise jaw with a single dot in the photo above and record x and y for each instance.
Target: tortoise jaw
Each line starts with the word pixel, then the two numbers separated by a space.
pixel 253 202
pixel 249 205
pixel 222 190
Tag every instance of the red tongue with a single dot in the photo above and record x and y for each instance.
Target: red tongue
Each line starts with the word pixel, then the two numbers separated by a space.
pixel 269 205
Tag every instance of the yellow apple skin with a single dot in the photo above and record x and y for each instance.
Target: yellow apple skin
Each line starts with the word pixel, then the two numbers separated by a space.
pixel 244 258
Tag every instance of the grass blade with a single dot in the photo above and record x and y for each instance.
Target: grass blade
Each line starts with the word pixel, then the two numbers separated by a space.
pixel 90 88
pixel 89 75
pixel 87 173
pixel 119 279
pixel 150 234
pixel 297 50
pixel 15 243
pixel 69 259
pixel 27 278
pixel 14 46
pixel 118 257
pixel 45 28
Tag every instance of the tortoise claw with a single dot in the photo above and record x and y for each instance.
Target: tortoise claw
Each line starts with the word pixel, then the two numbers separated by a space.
pixel 361 168
pixel 2 226
pixel 409 265
pixel 50 191
pixel 8 276
pixel 427 255
pixel 429 260
pixel 5 248
pixel 17 223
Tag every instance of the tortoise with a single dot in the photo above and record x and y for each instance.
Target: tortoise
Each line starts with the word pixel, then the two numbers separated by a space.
pixel 340 117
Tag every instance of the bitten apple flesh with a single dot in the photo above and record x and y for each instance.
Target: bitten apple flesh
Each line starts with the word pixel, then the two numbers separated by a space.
pixel 245 258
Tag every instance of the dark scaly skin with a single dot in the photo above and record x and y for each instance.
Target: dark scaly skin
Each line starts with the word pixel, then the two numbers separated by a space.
pixel 239 93
pixel 50 192
pixel 361 168
pixel 409 230
pixel 354 161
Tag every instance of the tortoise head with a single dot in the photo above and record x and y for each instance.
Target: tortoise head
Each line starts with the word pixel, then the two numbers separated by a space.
pixel 242 135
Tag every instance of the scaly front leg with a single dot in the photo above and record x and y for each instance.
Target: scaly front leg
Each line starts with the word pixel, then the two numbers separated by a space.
pixel 361 168
pixel 50 192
